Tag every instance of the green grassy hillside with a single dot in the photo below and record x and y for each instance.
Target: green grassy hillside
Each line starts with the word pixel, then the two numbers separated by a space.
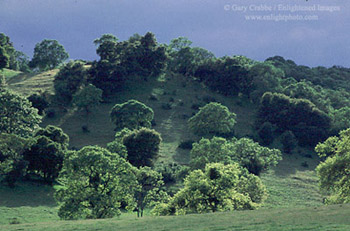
pixel 27 84
pixel 294 198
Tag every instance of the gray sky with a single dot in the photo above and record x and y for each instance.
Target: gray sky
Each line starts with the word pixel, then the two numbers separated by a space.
pixel 315 33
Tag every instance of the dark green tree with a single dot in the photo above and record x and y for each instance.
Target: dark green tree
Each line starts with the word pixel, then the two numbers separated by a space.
pixel 253 156
pixel 215 150
pixel 142 146
pixel 288 141
pixel 39 101
pixel 55 134
pixel 22 61
pixel 265 133
pixel 68 81
pixel 7 53
pixel 87 98
pixel 45 156
pixel 142 56
pixel 118 147
pixel 309 124
pixel 245 152
pixel 108 76
pixel 48 54
pixel 4 58
pixel 105 38
pixel 12 164
pixel 265 77
pixel 131 114
pixel 183 58
pixel 227 75
pixel 106 47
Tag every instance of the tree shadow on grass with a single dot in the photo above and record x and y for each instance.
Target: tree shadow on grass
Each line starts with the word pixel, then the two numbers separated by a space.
pixel 31 194
pixel 296 162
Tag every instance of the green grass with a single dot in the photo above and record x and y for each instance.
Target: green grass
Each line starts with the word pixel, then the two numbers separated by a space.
pixel 312 218
pixel 9 74
pixel 27 84
pixel 292 185
pixel 27 203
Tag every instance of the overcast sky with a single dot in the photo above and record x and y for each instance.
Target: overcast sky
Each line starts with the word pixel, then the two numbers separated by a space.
pixel 320 36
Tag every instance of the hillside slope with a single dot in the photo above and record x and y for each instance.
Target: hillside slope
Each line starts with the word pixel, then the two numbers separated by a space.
pixel 174 99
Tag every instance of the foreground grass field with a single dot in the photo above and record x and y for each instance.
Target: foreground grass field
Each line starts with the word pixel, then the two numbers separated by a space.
pixel 313 218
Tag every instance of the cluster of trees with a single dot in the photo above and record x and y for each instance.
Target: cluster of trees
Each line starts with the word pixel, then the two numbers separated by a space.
pixel 184 59
pixel 223 173
pixel 10 57
pixel 293 102
pixel 25 147
pixel 96 182
pixel 216 188
pixel 139 56
pixel 246 152
pixel 48 54
pixel 309 124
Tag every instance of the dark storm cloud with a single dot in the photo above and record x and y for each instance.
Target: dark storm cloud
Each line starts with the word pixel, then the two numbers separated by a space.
pixel 75 24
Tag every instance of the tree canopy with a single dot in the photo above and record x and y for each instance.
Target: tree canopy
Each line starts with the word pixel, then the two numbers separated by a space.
pixel 131 114
pixel 149 189
pixel 88 97
pixel 48 54
pixel 309 124
pixel 93 184
pixel 247 153
pixel 217 188
pixel 334 171
pixel 212 119
pixel 17 116
pixel 12 164
pixel 68 80
pixel 46 154
pixel 142 146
